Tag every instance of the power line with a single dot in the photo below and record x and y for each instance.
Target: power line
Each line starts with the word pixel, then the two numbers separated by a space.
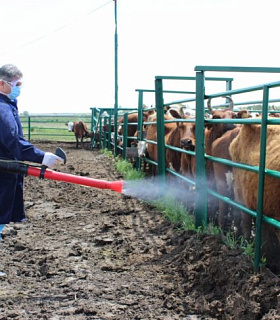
pixel 56 30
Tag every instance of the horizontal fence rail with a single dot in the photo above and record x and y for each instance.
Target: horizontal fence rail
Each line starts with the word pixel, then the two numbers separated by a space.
pixel 52 126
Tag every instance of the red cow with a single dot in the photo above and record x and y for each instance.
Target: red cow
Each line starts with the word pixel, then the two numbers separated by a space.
pixel 245 148
pixel 214 131
pixel 80 131
pixel 181 136
pixel 150 149
pixel 132 128
pixel 176 134
pixel 223 175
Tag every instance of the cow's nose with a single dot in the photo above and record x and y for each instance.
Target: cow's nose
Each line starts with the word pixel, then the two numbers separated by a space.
pixel 186 142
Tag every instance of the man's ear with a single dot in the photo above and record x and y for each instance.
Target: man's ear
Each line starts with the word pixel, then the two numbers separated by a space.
pixel 1 84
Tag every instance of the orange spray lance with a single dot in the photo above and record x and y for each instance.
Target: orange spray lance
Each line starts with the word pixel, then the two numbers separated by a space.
pixel 12 166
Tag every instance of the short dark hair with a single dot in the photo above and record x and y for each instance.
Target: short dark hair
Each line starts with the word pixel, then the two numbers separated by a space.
pixel 8 72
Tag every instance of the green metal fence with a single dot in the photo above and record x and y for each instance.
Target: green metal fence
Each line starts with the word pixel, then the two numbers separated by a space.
pixel 52 126
pixel 198 97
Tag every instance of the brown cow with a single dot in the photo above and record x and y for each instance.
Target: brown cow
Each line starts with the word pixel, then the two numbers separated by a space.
pixel 132 128
pixel 80 131
pixel 275 115
pixel 245 148
pixel 214 131
pixel 150 149
pixel 223 175
pixel 181 136
pixel 176 134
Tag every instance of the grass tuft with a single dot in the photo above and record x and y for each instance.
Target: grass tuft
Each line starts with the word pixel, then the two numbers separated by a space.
pixel 175 212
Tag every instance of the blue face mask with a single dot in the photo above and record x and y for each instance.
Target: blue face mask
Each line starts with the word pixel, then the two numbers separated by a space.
pixel 15 92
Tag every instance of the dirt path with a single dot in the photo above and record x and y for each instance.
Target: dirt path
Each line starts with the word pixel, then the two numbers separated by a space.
pixel 86 253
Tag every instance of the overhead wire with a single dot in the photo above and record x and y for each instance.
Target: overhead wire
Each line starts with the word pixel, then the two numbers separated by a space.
pixel 58 29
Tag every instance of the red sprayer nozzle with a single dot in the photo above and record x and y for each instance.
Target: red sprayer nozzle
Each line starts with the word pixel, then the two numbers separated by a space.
pixel 60 176
pixel 116 185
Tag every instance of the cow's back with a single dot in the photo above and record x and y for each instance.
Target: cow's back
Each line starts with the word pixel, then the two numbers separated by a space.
pixel 245 148
pixel 80 129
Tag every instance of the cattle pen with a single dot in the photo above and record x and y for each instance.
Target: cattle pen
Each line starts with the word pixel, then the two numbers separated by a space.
pixel 103 123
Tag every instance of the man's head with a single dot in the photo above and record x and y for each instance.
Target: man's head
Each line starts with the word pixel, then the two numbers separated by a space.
pixel 10 80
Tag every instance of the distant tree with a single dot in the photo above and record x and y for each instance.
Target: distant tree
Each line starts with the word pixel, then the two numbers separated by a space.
pixel 25 114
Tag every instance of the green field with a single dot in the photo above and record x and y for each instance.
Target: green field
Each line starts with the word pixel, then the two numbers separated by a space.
pixel 51 127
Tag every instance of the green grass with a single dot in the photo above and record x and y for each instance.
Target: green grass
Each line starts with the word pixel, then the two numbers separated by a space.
pixel 231 241
pixel 175 211
pixel 125 168
pixel 107 153
pixel 53 127
pixel 170 207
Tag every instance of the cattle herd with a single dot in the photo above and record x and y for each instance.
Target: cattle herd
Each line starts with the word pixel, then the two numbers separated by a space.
pixel 236 142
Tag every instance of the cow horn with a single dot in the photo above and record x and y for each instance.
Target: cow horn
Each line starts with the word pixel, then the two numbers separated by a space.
pixel 231 104
pixel 209 105
pixel 181 111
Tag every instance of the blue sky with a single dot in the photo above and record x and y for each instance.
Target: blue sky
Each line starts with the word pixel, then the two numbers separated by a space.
pixel 65 48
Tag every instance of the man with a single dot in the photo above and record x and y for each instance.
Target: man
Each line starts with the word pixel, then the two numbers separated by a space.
pixel 14 147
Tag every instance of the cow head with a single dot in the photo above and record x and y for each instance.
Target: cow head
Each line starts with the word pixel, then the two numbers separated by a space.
pixel 90 134
pixel 120 129
pixel 220 128
pixel 186 130
pixel 70 126
pixel 119 139
pixel 255 115
pixel 142 149
pixel 187 133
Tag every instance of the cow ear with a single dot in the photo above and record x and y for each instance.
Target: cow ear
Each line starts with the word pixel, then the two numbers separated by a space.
pixel 146 114
pixel 243 114
pixel 175 114
pixel 166 108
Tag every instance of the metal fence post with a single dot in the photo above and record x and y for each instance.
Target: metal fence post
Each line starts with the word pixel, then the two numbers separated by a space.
pixel 100 130
pixel 160 129
pixel 29 128
pixel 109 131
pixel 104 133
pixel 201 182
pixel 125 124
pixel 139 125
pixel 261 179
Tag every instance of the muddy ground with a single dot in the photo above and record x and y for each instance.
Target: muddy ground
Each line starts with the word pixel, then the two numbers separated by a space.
pixel 87 253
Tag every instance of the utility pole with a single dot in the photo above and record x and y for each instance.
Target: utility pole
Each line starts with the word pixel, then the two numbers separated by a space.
pixel 116 83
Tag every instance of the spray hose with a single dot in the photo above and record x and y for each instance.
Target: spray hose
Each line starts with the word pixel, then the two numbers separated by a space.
pixel 17 167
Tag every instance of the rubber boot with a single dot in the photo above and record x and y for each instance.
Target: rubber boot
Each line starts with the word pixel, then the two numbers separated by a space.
pixel 1 228
pixel 2 273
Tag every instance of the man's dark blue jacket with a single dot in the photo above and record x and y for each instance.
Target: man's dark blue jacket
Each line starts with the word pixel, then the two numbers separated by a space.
pixel 13 146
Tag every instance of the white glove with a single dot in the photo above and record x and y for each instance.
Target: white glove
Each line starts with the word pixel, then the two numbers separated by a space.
pixel 50 159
